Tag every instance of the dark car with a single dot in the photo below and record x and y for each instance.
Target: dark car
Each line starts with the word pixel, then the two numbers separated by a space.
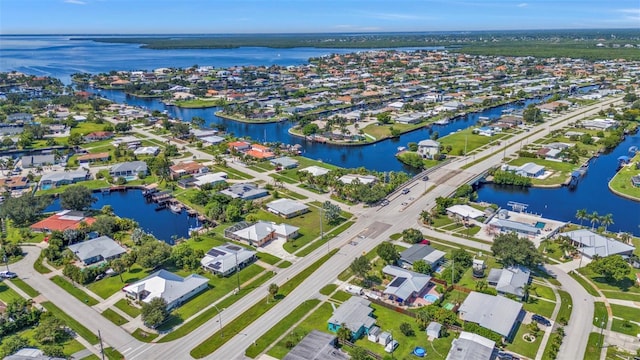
pixel 540 319
pixel 425 178
pixel 504 356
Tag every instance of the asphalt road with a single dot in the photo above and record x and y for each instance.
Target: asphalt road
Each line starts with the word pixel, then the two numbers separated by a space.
pixel 396 215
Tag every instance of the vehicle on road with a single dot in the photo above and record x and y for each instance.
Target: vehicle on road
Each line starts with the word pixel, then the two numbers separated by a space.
pixel 384 202
pixel 425 178
pixel 540 320
pixel 405 191
pixel 404 203
pixel 8 275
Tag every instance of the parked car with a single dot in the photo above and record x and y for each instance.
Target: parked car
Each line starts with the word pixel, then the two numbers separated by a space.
pixel 392 346
pixel 540 319
pixel 504 356
pixel 7 275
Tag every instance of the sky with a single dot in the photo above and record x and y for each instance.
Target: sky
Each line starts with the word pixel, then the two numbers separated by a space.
pixel 307 16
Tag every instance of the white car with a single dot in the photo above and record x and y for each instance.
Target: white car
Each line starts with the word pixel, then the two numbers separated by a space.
pixel 7 275
pixel 391 347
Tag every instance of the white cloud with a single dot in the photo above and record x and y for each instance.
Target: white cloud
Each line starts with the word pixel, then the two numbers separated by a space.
pixel 76 2
pixel 396 16
pixel 521 5
pixel 631 14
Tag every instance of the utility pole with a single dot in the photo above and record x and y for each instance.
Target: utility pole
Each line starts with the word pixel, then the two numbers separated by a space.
pixel 101 347
pixel 321 231
pixel 237 272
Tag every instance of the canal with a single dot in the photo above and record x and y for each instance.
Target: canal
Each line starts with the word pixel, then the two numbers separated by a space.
pixel 163 224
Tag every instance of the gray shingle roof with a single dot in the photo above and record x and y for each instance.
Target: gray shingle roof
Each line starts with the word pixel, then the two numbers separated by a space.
pixel 166 285
pixel 510 280
pixel 316 346
pixel 354 313
pixel 58 176
pixel 101 246
pixel 496 313
pixel 421 252
pixel 244 191
pixel 130 166
pixel 405 282
pixel 471 347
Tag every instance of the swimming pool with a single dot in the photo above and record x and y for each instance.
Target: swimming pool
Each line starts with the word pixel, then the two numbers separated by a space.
pixel 45 187
pixel 540 225
pixel 431 298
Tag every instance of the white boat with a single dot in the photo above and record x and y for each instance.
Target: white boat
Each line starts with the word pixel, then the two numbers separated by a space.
pixel 175 208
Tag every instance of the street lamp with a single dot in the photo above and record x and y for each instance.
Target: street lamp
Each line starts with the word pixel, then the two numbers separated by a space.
pixel 219 319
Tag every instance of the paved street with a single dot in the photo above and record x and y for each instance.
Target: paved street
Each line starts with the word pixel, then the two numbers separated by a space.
pixel 393 218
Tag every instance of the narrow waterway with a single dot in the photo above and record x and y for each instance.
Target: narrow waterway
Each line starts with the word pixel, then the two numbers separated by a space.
pixel 163 224
pixel 592 193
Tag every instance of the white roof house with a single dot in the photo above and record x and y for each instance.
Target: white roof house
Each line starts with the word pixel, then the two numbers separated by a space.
pixel 226 259
pixel 245 191
pixel 173 288
pixel 264 231
pixel 210 178
pixel 147 150
pixel 428 148
pixel 496 313
pixel 590 244
pixel 316 170
pixel 363 179
pixel 287 208
pixel 464 211
pixel 102 248
pixel 529 169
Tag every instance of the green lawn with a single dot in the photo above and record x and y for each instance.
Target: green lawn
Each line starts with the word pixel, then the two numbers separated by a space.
pixel 113 354
pixel 341 296
pixel 543 292
pixel 114 317
pixel 600 313
pixel 130 310
pixel 189 326
pixel 328 289
pixel 562 170
pixel 585 285
pixel 7 294
pixel 565 306
pixel 144 336
pixel 268 258
pixel 71 322
pixel 327 237
pixel 457 141
pixel 621 182
pixel 522 347
pixel 76 292
pixel 593 347
pixel 610 294
pixel 316 321
pixel 112 284
pixel 40 267
pixel 25 287
pixel 280 328
pixel 625 327
pixel 539 306
pixel 625 312
pixel 626 285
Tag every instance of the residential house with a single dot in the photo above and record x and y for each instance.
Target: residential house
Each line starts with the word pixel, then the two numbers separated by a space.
pixel 93 157
pixel 130 142
pixel 635 180
pixel 406 285
pixel 98 136
pixel 529 169
pixel 501 223
pixel 428 148
pixel 285 162
pixel 362 179
pixel 173 288
pixel 245 191
pixel 19 117
pixel 591 244
pixel 55 179
pixel 287 208
pixel 355 315
pixel 211 140
pixel 262 232
pixel 260 152
pixel 30 354
pixel 424 252
pixel 187 168
pixel 472 346
pixel 32 161
pixel 316 170
pixel 464 212
pixel 61 221
pixel 14 183
pixel 147 150
pixel 511 280
pixel 599 124
pixel 102 248
pixel 317 346
pixel 224 260
pixel 239 146
pixel 130 168
pixel 210 179
pixel 496 313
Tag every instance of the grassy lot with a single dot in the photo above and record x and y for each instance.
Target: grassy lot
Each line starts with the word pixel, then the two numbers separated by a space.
pixel 215 341
pixel 384 131
pixel 622 182
pixel 268 258
pixel 565 306
pixel 90 184
pixel 625 327
pixel 71 322
pixel 543 292
pixel 316 321
pixel 561 170
pixel 13 235
pixel 327 237
pixel 625 285
pixel 76 292
pixel 328 289
pixel 441 221
pixel 232 173
pixel 621 295
pixel 458 139
pixel 600 313
pixel 189 326
pixel 522 347
pixel 144 336
pixel 262 167
pixel 539 306
pixel 196 103
pixel 112 284
pixel 341 296
pixel 593 348
pixel 7 294
pixel 626 312
pixel 114 317
pixel 25 287
pixel 130 310
pixel 284 179
pixel 113 354
pixel 552 250
pixel 280 328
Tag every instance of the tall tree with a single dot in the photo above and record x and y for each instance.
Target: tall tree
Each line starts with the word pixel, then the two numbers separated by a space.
pixel 513 250
pixel 388 252
pixel 613 268
pixel 273 290
pixel 594 218
pixel 606 220
pixel 331 212
pixel 77 197
pixel 581 214
pixel 360 266
pixel 154 312
pixel 422 267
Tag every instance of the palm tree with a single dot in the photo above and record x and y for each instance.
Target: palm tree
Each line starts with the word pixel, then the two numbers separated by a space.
pixel 593 219
pixel 606 220
pixel 425 216
pixel 581 214
pixel 625 237
pixel 481 285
